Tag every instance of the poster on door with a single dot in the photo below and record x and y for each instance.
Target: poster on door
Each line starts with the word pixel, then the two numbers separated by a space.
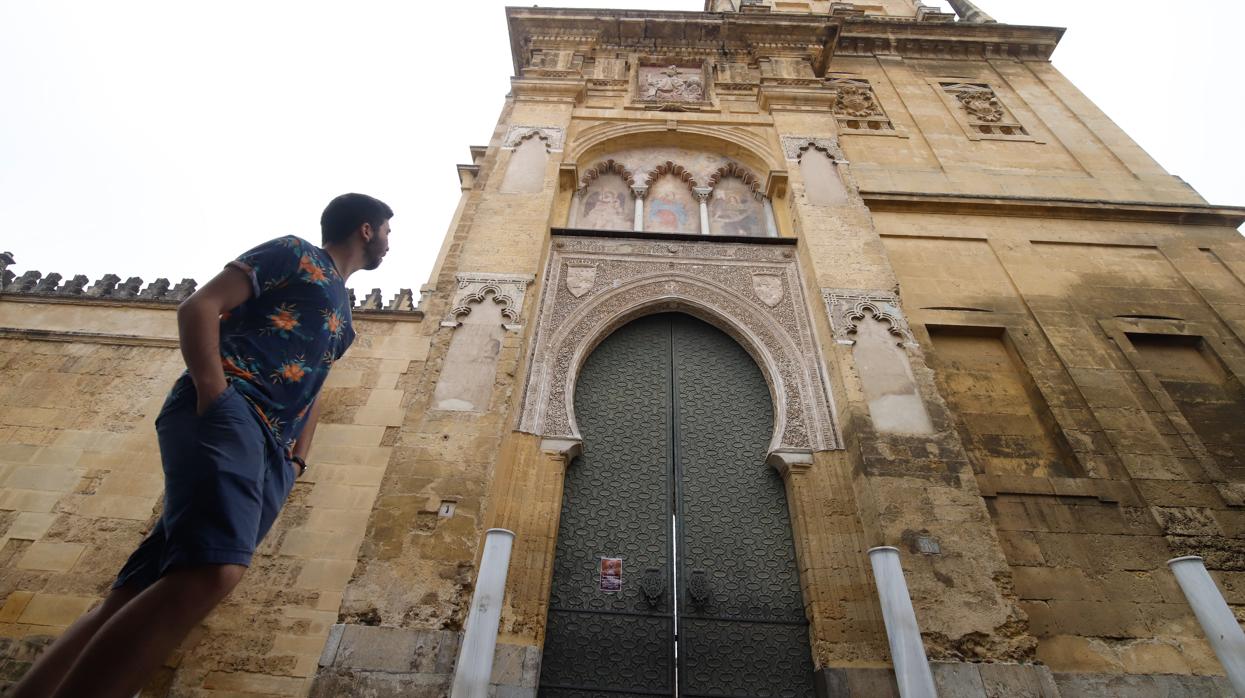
pixel 611 574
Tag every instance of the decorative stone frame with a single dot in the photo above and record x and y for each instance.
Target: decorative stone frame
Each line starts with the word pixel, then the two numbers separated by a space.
pixel 506 289
pixel 1005 128
pixel 847 307
pixel 728 284
pixel 707 101
pixel 875 122
pixel 551 135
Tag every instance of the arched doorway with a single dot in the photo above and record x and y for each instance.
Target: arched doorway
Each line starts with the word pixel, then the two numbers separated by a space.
pixel 675 419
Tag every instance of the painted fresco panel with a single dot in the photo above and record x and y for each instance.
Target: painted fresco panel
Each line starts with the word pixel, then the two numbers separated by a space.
pixel 671 208
pixel 734 210
pixel 606 205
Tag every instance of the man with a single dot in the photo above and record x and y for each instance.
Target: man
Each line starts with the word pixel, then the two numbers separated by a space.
pixel 258 341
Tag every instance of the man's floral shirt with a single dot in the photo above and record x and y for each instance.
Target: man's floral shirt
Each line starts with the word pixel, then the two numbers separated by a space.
pixel 278 346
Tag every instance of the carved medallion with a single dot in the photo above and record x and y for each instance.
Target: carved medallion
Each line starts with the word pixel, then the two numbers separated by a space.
pixel 855 101
pixel 580 278
pixel 768 288
pixel 981 105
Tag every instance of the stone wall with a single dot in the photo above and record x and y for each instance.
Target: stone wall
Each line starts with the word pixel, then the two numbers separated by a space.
pixel 80 485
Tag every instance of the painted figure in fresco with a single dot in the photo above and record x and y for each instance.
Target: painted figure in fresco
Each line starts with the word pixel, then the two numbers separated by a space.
pixel 258 341
pixel 732 214
pixel 603 210
pixel 666 214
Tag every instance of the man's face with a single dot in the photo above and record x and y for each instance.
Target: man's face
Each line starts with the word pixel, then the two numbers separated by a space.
pixel 375 249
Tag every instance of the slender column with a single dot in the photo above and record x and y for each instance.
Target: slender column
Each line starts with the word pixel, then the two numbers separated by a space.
pixel 573 218
pixel 702 195
pixel 639 191
pixel 475 657
pixel 907 651
pixel 969 12
pixel 1216 619
pixel 771 225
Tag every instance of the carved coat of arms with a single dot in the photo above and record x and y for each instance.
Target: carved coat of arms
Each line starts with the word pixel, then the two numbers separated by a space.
pixel 768 288
pixel 580 278
pixel 981 105
pixel 855 101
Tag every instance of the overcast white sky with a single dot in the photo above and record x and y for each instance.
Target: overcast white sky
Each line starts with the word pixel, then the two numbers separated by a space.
pixel 162 138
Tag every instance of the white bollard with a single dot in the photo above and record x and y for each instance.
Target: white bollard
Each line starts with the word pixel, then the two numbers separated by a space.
pixel 907 651
pixel 475 657
pixel 1216 619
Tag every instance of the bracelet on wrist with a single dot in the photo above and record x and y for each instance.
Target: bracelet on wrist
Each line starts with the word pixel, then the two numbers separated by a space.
pixel 302 464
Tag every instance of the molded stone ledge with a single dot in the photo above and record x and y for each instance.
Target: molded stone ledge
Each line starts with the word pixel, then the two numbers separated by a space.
pixel 969 680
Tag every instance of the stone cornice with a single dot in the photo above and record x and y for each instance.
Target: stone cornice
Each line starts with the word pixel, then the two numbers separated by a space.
pixel 867 36
pixel 658 31
pixel 815 36
pixel 1037 207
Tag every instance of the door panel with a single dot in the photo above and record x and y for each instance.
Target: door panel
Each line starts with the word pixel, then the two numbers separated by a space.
pixel 675 418
pixel 742 630
pixel 616 503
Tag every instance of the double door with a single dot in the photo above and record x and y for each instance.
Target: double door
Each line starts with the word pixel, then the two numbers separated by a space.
pixel 675 571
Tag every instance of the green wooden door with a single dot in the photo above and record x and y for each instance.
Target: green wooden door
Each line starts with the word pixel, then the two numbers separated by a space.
pixel 675 418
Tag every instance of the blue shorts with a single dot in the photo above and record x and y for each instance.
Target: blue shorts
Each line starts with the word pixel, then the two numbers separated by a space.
pixel 225 479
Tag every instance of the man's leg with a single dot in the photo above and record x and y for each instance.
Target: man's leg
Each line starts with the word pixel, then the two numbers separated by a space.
pixel 50 669
pixel 128 648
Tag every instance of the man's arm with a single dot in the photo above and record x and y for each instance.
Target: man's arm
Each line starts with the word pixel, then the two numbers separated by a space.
pixel 198 330
pixel 303 444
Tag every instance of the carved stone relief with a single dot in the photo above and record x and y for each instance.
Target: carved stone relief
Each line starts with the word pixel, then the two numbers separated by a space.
pixel 671 84
pixel 847 307
pixel 507 290
pixel 552 136
pixel 981 111
pixel 752 292
pixel 856 107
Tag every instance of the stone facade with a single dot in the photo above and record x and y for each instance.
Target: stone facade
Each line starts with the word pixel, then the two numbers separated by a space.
pixel 1000 337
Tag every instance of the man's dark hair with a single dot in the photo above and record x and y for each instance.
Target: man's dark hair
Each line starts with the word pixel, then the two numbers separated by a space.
pixel 347 212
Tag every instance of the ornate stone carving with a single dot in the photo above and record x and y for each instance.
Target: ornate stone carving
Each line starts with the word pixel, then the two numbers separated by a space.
pixel 794 146
pixel 982 112
pixel 671 84
pixel 551 135
pixel 715 281
pixel 768 287
pixel 580 278
pixel 506 289
pixel 982 105
pixel 847 307
pixel 856 107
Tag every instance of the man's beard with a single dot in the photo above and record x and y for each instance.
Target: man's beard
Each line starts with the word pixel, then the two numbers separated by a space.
pixel 373 253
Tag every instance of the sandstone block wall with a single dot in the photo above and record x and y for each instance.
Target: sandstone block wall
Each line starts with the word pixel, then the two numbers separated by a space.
pixel 80 485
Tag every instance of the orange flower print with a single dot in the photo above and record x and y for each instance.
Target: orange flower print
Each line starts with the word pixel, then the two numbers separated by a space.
pixel 333 322
pixel 311 271
pixel 292 371
pixel 235 366
pixel 284 319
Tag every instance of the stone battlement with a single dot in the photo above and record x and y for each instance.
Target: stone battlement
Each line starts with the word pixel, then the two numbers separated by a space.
pixel 33 283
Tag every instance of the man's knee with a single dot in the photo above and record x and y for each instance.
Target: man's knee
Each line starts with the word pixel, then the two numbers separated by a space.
pixel 214 581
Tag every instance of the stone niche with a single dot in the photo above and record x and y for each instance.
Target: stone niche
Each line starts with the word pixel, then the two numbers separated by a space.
pixel 750 291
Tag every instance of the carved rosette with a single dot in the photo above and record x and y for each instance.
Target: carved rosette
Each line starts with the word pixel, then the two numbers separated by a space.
pixel 847 307
pixel 474 287
pixel 551 135
pixel 714 281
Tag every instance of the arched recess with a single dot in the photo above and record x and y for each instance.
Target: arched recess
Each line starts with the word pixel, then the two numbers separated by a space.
pixel 752 150
pixel 604 198
pixel 672 202
pixel 779 341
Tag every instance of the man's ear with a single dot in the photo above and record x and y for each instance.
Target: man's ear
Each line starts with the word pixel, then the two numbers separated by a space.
pixel 366 231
